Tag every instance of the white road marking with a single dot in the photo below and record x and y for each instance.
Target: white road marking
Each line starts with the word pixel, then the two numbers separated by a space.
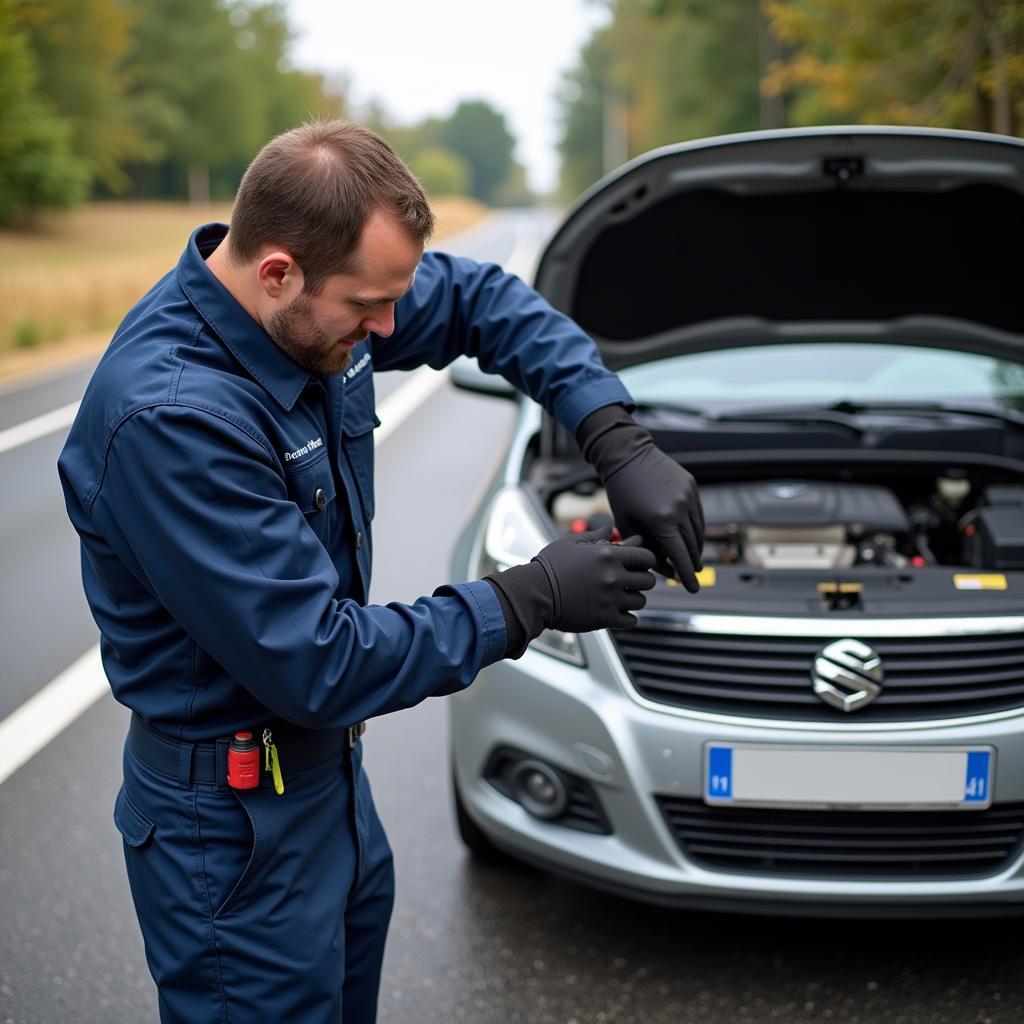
pixel 393 411
pixel 38 426
pixel 406 399
pixel 25 732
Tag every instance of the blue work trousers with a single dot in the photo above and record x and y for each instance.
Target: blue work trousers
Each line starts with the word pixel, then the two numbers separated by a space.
pixel 259 907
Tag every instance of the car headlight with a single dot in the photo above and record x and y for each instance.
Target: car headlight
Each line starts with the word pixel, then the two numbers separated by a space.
pixel 512 535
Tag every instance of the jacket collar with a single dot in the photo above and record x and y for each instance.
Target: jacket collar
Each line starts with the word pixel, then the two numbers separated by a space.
pixel 277 372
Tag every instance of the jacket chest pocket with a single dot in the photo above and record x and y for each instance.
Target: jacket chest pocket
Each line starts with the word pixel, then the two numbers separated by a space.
pixel 358 421
pixel 312 488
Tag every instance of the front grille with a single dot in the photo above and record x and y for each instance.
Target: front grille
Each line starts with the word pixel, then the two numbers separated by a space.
pixel 846 844
pixel 769 676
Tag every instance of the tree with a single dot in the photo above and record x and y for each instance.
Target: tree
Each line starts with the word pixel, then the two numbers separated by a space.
pixel 190 73
pixel 281 96
pixel 441 172
pixel 661 71
pixel 581 99
pixel 211 83
pixel 38 168
pixel 79 48
pixel 689 71
pixel 957 64
pixel 479 134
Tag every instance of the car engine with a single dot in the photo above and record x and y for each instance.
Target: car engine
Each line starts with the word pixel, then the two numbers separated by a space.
pixel 814 524
pixel 801 524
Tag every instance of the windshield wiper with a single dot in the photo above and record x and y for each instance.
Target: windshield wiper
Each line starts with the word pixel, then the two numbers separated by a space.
pixel 795 414
pixel 667 408
pixel 937 408
pixel 841 412
pixel 830 415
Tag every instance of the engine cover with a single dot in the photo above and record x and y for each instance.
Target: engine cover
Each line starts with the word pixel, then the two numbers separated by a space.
pixel 803 503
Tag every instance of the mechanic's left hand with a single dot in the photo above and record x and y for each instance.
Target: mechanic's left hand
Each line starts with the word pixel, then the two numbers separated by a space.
pixel 653 495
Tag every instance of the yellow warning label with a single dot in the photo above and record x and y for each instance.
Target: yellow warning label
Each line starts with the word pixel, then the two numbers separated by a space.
pixel 979 581
pixel 840 588
pixel 707 577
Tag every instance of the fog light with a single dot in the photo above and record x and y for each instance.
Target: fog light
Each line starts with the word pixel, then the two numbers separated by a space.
pixel 539 789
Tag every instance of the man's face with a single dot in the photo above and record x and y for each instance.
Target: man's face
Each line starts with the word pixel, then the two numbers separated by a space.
pixel 320 331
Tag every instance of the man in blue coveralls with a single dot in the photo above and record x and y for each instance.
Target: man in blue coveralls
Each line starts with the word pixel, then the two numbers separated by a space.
pixel 220 475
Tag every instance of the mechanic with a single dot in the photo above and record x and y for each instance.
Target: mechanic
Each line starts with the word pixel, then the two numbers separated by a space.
pixel 220 476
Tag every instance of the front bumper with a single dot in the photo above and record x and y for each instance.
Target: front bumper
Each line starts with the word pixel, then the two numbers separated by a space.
pixel 585 721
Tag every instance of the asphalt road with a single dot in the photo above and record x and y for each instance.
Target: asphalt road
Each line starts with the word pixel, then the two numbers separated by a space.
pixel 486 945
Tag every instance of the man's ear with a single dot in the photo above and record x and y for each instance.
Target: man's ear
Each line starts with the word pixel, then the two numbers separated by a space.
pixel 279 275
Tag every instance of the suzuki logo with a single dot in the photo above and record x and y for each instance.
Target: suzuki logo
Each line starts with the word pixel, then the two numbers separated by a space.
pixel 847 674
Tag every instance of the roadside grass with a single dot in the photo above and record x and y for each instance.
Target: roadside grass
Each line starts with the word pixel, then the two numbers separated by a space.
pixel 79 273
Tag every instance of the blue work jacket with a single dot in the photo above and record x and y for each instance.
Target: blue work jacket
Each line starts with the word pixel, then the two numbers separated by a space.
pixel 224 500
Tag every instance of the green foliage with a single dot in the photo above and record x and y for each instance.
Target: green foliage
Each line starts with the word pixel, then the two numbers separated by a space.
pixel 79 46
pixel 408 139
pixel 514 190
pixel 38 168
pixel 188 67
pixel 174 97
pixel 958 64
pixel 661 71
pixel 147 94
pixel 27 334
pixel 441 172
pixel 479 134
pixel 581 100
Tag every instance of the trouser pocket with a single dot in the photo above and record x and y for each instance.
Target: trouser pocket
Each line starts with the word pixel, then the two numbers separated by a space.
pixel 235 841
pixel 134 826
pixel 136 831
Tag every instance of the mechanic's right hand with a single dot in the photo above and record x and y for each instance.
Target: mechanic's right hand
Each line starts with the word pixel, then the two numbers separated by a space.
pixel 596 584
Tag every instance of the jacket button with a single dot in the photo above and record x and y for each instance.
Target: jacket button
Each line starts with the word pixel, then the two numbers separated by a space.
pixel 320 498
pixel 359 538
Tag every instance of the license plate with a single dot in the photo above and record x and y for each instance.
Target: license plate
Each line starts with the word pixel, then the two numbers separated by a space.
pixel 848 778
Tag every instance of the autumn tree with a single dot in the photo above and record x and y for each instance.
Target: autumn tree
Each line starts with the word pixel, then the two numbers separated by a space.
pixel 583 102
pixel 79 48
pixel 661 71
pixel 957 64
pixel 38 165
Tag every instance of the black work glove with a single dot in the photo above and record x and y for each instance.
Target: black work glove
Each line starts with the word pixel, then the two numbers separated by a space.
pixel 650 494
pixel 577 583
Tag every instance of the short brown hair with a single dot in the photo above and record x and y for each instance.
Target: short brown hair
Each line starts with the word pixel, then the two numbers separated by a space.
pixel 311 191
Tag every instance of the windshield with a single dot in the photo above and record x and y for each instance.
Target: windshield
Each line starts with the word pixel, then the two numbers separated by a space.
pixel 825 373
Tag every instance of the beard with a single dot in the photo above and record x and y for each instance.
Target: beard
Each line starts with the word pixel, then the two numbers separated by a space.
pixel 294 331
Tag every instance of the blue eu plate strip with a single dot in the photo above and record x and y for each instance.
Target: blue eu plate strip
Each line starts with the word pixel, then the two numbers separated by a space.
pixel 976 786
pixel 719 782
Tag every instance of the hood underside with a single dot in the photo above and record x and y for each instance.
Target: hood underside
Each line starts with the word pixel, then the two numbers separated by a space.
pixel 902 235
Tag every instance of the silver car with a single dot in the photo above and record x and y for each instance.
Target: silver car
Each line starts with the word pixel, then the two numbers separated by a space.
pixel 826 327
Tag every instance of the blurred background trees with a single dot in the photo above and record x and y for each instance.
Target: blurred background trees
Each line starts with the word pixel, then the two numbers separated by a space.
pixel 663 71
pixel 171 98
pixel 959 63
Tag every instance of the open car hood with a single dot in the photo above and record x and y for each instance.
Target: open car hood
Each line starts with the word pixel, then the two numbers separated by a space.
pixel 907 235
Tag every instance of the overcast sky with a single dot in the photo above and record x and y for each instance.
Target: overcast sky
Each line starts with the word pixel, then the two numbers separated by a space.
pixel 420 57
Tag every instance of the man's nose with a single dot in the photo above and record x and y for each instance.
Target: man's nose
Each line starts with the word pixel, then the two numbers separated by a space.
pixel 383 323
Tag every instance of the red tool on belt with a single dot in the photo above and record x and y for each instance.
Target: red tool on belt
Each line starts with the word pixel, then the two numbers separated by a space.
pixel 244 761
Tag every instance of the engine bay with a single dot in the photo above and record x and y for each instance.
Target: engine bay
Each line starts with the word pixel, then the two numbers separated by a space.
pixel 795 522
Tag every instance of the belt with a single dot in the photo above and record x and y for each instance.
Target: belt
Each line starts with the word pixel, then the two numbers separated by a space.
pixel 207 762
